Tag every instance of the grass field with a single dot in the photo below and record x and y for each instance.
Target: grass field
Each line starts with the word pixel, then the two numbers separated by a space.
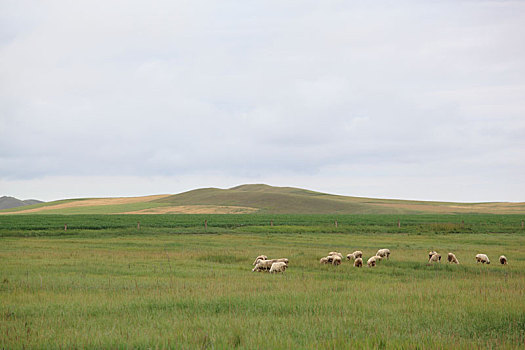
pixel 105 284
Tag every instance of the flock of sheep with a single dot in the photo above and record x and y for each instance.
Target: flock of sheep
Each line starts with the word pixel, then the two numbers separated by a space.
pixel 480 258
pixel 262 263
pixel 335 258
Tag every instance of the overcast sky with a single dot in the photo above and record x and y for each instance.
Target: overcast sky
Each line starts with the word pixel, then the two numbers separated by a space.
pixel 392 99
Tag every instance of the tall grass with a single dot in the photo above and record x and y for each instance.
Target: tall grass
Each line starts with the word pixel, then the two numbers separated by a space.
pixel 160 290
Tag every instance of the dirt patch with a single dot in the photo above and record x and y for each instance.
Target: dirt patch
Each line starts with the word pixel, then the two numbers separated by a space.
pixel 196 209
pixel 95 202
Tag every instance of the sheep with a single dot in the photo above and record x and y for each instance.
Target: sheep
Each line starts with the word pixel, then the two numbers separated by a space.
pixel 331 258
pixel 278 267
pixel 263 265
pixel 435 258
pixel 358 262
pixel 372 261
pixel 431 253
pixel 284 260
pixel 503 260
pixel 336 260
pixel 336 253
pixel 260 257
pixel 452 258
pixel 482 258
pixel 383 253
pixel 354 255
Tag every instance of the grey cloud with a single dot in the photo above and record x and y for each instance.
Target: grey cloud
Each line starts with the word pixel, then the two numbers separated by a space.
pixel 261 88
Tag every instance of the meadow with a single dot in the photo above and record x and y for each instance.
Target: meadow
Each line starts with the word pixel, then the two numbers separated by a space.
pixel 104 283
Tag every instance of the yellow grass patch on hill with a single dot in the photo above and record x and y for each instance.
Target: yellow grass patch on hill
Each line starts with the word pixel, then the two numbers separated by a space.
pixel 196 209
pixel 446 208
pixel 95 202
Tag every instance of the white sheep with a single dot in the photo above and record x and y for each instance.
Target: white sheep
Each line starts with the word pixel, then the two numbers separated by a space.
pixel 332 257
pixel 263 265
pixel 503 260
pixel 383 253
pixel 357 254
pixel 372 261
pixel 482 258
pixel 278 267
pixel 358 262
pixel 336 253
pixel 336 260
pixel 452 258
pixel 431 253
pixel 350 256
pixel 260 257
pixel 284 260
pixel 435 258
pixel 324 260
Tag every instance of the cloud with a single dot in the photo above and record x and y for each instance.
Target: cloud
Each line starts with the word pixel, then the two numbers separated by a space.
pixel 254 90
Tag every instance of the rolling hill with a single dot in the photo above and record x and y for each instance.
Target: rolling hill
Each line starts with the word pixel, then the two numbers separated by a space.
pixel 247 199
pixel 7 202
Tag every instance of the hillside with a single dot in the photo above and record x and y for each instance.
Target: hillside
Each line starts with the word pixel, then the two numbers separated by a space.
pixel 7 202
pixel 246 199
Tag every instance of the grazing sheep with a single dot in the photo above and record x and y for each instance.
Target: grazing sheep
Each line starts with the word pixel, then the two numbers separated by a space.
pixel 435 258
pixel 431 253
pixel 503 260
pixel 358 262
pixel 383 253
pixel 324 260
pixel 263 265
pixel 482 258
pixel 452 258
pixel 372 261
pixel 354 255
pixel 260 257
pixel 284 260
pixel 278 267
pixel 336 253
pixel 336 260
pixel 331 258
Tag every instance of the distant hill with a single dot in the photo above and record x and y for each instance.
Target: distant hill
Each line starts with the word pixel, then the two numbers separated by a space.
pixel 247 199
pixel 12 202
pixel 290 200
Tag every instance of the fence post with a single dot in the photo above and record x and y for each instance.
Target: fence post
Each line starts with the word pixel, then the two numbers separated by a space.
pixel 336 224
pixel 65 227
pixel 398 223
pixel 138 225
pixel 271 223
pixel 205 224
pixel 521 223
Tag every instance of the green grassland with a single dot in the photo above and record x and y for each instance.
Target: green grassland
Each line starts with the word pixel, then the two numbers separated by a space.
pixel 174 284
pixel 52 225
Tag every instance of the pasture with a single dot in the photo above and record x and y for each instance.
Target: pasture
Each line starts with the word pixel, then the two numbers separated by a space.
pixel 173 284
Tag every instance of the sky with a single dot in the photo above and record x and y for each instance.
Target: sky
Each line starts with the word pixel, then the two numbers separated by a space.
pixel 387 99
